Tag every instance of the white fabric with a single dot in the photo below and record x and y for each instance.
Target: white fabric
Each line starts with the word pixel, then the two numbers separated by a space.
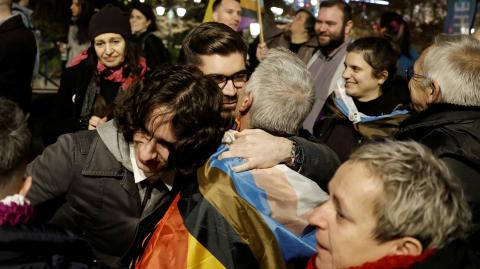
pixel 16 198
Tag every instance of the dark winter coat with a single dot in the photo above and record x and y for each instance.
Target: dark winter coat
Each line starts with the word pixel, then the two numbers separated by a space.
pixel 453 133
pixel 17 58
pixel 153 50
pixel 66 115
pixel 30 246
pixel 92 172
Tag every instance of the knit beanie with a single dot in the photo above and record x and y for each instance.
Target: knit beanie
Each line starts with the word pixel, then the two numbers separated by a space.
pixel 110 19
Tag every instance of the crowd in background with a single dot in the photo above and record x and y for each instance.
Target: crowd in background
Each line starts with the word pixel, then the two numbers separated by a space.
pixel 308 150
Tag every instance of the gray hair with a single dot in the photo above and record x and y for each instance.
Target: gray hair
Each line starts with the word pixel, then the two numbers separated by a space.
pixel 282 91
pixel 454 61
pixel 420 197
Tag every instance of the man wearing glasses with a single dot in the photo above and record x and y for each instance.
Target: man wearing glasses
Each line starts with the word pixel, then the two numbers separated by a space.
pixel 220 53
pixel 445 91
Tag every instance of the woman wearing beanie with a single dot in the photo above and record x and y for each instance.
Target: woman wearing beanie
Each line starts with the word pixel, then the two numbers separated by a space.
pixel 142 22
pixel 98 76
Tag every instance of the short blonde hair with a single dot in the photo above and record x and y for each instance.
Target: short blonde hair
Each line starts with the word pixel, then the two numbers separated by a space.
pixel 420 197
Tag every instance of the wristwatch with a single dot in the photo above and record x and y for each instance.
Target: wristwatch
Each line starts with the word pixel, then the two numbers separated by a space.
pixel 297 157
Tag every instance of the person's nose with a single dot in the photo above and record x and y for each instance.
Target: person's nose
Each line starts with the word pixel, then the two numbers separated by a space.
pixel 346 73
pixel 229 89
pixel 319 216
pixel 322 27
pixel 149 151
pixel 108 49
pixel 238 17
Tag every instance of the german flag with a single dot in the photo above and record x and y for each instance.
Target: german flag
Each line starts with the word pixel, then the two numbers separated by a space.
pixel 217 221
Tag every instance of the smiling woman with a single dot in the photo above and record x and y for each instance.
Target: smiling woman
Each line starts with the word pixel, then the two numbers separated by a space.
pixel 369 103
pixel 95 79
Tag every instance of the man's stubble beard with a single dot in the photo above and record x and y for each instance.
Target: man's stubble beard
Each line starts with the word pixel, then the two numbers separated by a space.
pixel 335 42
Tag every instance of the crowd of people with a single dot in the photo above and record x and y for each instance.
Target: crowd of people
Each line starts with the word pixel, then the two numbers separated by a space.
pixel 316 151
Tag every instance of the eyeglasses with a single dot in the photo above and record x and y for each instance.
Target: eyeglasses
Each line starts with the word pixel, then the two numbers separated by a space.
pixel 409 74
pixel 238 79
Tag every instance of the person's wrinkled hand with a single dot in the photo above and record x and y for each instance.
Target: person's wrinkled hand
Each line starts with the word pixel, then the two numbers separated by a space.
pixel 95 121
pixel 262 51
pixel 259 149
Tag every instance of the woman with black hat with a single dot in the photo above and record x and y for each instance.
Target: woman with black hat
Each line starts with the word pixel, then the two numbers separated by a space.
pixel 96 77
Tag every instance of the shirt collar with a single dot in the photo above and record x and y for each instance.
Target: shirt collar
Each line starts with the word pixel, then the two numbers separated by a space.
pixel 138 174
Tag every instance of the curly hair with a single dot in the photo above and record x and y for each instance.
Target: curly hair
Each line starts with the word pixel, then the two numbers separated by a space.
pixel 196 105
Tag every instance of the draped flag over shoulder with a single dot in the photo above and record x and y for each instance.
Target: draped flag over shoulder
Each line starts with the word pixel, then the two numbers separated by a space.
pixel 254 219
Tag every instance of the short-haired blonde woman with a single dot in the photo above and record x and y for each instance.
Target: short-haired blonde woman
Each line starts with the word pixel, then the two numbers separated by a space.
pixel 393 205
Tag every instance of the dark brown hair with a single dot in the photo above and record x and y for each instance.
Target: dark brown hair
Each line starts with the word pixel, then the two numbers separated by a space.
pixel 342 5
pixel 212 38
pixel 196 104
pixel 378 53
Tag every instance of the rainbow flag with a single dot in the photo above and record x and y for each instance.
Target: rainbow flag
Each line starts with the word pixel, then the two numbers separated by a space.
pixel 254 219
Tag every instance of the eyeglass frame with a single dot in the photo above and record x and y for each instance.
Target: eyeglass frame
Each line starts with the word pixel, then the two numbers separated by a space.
pixel 410 74
pixel 225 79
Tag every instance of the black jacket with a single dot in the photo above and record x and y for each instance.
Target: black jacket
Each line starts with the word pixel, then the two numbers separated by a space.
pixel 453 133
pixel 319 161
pixel 32 246
pixel 17 58
pixel 66 115
pixel 101 200
pixel 153 50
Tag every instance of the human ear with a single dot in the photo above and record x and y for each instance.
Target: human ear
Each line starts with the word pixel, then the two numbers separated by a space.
pixel 25 187
pixel 246 103
pixel 215 16
pixel 382 77
pixel 407 246
pixel 348 27
pixel 435 94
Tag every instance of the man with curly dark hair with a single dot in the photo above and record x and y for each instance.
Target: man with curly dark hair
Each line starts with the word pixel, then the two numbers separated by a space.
pixel 113 178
